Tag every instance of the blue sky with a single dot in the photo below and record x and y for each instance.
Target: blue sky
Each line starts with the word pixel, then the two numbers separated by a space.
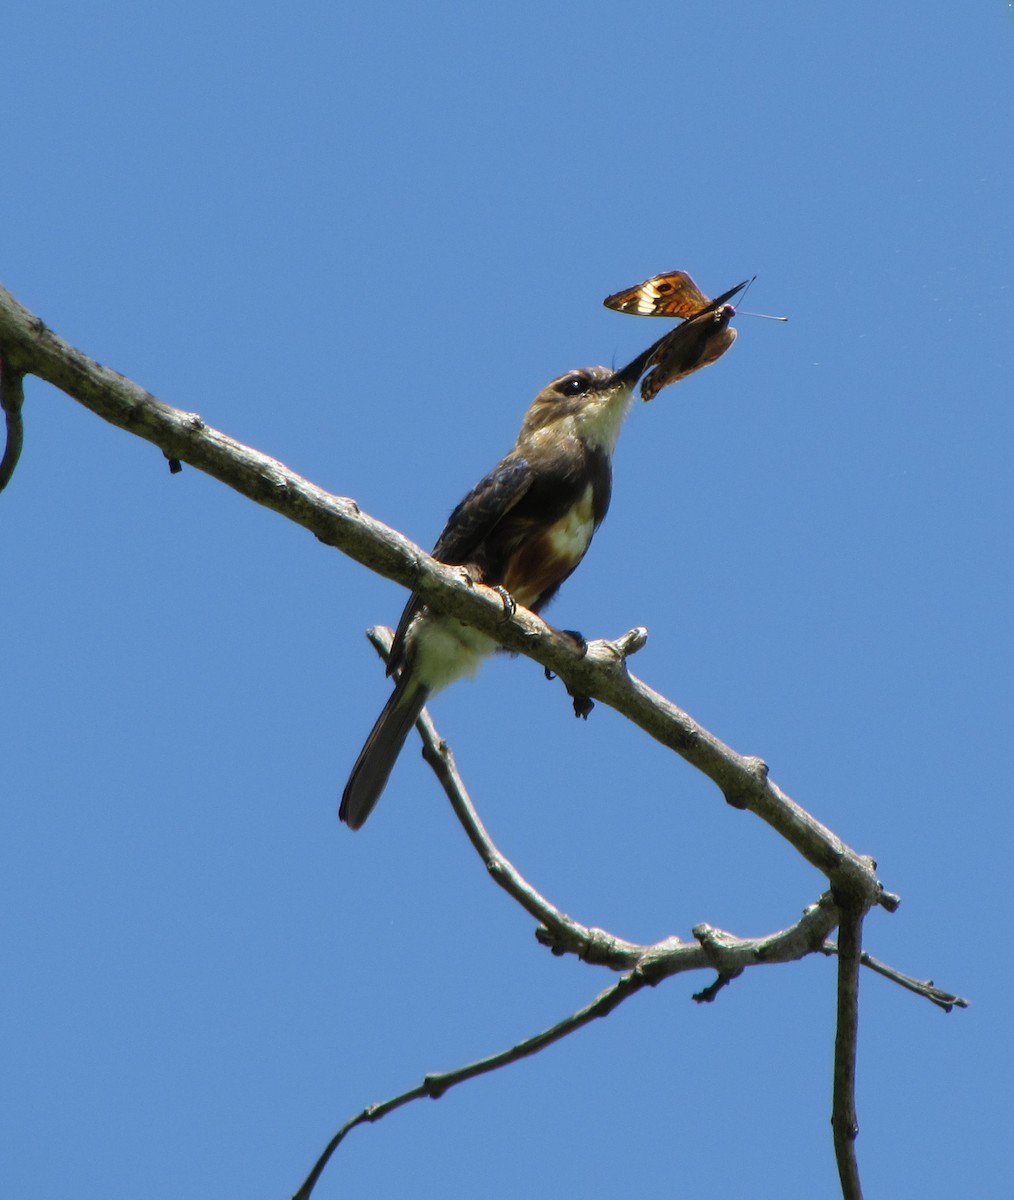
pixel 361 238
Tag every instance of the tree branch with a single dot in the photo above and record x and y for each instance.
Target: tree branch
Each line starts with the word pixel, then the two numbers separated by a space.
pixel 725 953
pixel 921 987
pixel 844 1125
pixel 597 671
pixel 436 1085
pixel 644 965
pixel 600 673
pixel 714 949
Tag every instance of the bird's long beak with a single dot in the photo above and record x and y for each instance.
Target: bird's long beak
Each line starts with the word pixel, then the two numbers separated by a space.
pixel 629 375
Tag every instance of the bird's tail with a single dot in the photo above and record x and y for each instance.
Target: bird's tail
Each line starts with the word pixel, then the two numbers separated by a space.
pixel 373 766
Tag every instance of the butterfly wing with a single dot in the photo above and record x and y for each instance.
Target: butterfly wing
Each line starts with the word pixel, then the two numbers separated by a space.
pixel 673 294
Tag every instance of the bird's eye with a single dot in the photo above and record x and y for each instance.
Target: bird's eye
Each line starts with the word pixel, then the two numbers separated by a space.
pixel 573 385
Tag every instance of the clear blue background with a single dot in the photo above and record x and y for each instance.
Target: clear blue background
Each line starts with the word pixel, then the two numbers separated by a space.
pixel 360 238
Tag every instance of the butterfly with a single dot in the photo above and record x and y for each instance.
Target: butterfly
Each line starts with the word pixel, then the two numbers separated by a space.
pixel 671 295
pixel 703 336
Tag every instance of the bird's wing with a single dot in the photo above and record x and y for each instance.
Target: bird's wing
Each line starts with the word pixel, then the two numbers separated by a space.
pixel 482 509
pixel 466 529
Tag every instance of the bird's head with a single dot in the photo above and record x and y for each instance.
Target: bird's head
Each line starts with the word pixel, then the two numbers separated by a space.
pixel 589 403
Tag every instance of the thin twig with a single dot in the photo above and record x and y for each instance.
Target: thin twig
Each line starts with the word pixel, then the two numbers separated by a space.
pixel 844 1124
pixel 12 399
pixel 434 1086
pixel 922 987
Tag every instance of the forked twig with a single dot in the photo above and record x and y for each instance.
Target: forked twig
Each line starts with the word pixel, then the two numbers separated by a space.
pixel 644 965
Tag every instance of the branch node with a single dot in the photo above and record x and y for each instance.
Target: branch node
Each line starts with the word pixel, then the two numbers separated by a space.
pixel 848 1130
pixel 496 865
pixel 615 652
pixel 716 944
pixel 434 1086
pixel 739 793
pixel 757 767
pixel 709 994
pixel 632 641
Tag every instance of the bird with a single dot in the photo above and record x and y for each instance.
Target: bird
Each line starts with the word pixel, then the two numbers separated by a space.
pixel 523 529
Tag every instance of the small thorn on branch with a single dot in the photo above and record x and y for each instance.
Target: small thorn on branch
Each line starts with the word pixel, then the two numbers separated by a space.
pixel 631 642
pixel 708 994
pixel 713 942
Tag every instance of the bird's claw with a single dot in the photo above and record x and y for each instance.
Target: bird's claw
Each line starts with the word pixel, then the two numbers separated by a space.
pixel 510 605
pixel 580 644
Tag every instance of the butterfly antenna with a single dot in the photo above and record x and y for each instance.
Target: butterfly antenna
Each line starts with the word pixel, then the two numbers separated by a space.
pixel 746 313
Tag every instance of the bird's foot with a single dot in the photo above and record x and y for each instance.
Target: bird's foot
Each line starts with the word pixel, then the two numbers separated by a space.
pixel 582 704
pixel 580 644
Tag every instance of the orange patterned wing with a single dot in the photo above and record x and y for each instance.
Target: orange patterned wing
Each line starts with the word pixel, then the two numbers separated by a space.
pixel 671 295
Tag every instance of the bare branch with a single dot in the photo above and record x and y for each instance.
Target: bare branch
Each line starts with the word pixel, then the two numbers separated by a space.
pixel 729 955
pixel 921 987
pixel 600 673
pixel 844 1124
pixel 597 671
pixel 436 1085
pixel 715 949
pixel 722 952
